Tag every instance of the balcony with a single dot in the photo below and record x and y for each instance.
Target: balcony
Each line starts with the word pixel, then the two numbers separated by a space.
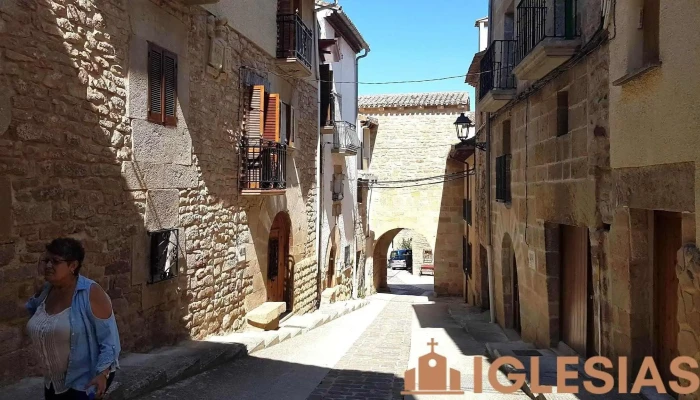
pixel 345 140
pixel 547 36
pixel 294 45
pixel 263 167
pixel 503 179
pixel 497 82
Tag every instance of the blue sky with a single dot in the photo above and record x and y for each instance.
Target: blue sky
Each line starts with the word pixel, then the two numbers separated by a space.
pixel 416 39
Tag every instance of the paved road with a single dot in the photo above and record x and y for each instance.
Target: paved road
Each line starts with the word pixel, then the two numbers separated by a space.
pixel 360 356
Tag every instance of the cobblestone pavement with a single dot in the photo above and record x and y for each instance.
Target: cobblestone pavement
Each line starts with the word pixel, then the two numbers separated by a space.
pixel 373 367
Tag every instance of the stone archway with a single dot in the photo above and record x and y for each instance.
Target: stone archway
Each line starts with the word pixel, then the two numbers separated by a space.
pixel 381 252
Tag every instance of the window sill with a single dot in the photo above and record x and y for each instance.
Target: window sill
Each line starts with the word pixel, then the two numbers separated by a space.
pixel 637 73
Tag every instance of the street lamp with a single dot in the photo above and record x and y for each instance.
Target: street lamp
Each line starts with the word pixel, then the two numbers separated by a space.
pixel 462 125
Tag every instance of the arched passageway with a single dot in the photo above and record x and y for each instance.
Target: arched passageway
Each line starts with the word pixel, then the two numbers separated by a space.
pixel 408 280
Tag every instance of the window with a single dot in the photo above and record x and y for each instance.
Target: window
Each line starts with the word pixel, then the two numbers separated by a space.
pixel 162 86
pixel 467 256
pixel 562 113
pixel 287 124
pixel 359 191
pixel 505 146
pixel 327 104
pixel 650 25
pixel 165 247
pixel 503 178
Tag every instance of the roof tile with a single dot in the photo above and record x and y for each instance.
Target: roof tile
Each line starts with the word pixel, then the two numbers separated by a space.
pixel 415 99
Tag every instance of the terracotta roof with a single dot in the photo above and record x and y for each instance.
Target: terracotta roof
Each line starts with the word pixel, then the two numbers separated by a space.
pixel 415 99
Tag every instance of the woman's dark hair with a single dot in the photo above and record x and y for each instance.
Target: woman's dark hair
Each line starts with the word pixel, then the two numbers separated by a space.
pixel 69 249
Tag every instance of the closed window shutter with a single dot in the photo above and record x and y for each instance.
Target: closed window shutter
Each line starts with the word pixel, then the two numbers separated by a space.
pixel 169 88
pixel 272 118
pixel 155 84
pixel 255 124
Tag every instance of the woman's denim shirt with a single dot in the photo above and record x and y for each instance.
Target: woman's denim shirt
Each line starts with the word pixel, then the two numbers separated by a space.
pixel 94 342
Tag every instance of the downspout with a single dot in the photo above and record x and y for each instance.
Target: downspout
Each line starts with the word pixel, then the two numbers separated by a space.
pixel 319 165
pixel 357 116
pixel 489 248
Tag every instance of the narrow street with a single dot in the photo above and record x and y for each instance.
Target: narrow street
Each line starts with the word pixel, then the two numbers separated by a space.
pixel 360 356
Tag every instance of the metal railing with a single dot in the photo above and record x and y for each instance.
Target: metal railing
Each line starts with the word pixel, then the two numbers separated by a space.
pixel 294 39
pixel 497 67
pixel 345 137
pixel 264 165
pixel 503 178
pixel 539 19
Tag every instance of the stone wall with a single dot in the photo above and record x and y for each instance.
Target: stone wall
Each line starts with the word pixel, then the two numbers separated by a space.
pixel 412 144
pixel 554 180
pixel 77 158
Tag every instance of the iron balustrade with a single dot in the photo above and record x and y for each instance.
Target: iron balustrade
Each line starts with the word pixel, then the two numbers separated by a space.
pixel 294 39
pixel 345 137
pixel 503 178
pixel 539 19
pixel 264 165
pixel 497 67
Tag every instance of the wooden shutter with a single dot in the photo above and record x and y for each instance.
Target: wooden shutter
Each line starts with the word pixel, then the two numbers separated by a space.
pixel 256 116
pixel 272 118
pixel 169 88
pixel 155 83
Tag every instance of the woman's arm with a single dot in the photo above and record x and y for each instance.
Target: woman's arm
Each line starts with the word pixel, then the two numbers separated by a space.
pixel 101 308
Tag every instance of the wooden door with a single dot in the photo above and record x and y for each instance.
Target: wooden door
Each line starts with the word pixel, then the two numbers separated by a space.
pixel 484 270
pixel 278 252
pixel 330 274
pixel 574 294
pixel 667 242
pixel 516 298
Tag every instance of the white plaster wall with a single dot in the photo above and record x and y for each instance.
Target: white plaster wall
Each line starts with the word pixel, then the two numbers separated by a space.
pixel 483 35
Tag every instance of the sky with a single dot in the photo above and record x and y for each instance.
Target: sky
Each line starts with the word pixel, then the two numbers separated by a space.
pixel 416 39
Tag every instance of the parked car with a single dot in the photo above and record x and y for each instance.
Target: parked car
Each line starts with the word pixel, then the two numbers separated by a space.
pixel 401 259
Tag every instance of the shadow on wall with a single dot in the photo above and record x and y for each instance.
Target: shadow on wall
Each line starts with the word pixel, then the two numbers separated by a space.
pixel 449 272
pixel 61 171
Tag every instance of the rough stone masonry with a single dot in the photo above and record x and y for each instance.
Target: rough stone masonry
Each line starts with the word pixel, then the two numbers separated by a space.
pixel 78 158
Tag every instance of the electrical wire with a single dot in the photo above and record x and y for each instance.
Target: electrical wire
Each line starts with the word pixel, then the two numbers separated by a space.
pixel 371 186
pixel 443 177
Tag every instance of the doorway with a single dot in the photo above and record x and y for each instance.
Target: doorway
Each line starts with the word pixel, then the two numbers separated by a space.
pixel 576 311
pixel 330 273
pixel 516 298
pixel 667 241
pixel 278 270
pixel 484 271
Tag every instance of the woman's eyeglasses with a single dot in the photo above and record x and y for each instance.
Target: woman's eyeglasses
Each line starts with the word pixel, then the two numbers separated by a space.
pixel 53 261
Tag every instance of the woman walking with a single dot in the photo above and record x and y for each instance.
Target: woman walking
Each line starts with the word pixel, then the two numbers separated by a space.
pixel 72 327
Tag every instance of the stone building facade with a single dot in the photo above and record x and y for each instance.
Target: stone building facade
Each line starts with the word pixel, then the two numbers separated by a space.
pixel 80 156
pixel 544 212
pixel 654 160
pixel 411 148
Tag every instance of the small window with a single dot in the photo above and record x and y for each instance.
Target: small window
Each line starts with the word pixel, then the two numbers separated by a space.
pixel 650 25
pixel 562 113
pixel 505 146
pixel 359 192
pixel 165 247
pixel 162 86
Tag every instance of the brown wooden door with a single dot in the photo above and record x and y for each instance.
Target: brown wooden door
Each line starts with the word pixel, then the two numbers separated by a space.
pixel 278 252
pixel 667 242
pixel 330 273
pixel 574 288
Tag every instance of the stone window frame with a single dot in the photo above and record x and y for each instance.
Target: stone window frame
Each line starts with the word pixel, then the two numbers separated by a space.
pixel 162 118
pixel 157 273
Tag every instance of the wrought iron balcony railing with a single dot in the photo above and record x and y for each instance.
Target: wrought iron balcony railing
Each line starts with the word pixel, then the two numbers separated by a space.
pixel 345 138
pixel 539 19
pixel 264 165
pixel 497 67
pixel 503 178
pixel 294 39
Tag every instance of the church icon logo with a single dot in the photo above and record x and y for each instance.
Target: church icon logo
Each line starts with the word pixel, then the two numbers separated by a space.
pixel 431 376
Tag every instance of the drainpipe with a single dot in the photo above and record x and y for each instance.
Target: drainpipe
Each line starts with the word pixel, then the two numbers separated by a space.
pixel 489 248
pixel 319 180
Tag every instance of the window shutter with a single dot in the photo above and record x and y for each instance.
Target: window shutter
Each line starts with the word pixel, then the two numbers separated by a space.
pixel 155 84
pixel 293 125
pixel 256 120
pixel 272 118
pixel 169 88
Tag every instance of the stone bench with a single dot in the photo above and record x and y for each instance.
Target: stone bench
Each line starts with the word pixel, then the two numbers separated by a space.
pixel 266 316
